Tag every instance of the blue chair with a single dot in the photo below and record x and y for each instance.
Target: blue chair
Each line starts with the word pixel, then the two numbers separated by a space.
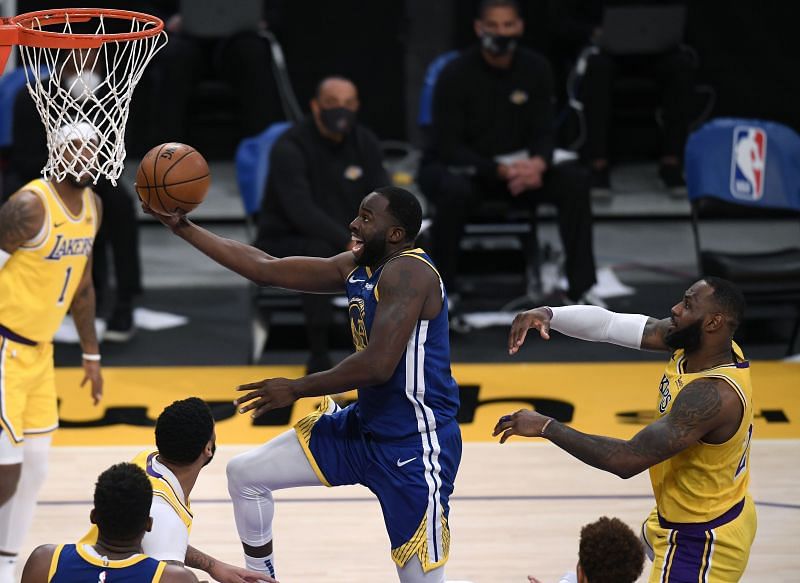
pixel 252 168
pixel 741 170
pixel 425 115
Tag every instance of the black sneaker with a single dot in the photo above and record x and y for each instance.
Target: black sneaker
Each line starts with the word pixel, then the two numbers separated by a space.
pixel 120 327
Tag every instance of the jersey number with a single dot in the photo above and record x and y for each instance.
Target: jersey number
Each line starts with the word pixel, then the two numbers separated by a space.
pixel 64 289
pixel 743 462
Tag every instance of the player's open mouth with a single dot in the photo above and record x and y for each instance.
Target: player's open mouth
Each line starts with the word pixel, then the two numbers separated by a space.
pixel 359 244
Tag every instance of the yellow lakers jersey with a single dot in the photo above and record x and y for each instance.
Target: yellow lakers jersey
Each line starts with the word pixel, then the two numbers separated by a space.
pixel 39 280
pixel 161 489
pixel 703 481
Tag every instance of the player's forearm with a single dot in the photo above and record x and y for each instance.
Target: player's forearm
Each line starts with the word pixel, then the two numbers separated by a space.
pixel 83 313
pixel 599 325
pixel 357 370
pixel 197 559
pixel 241 258
pixel 604 453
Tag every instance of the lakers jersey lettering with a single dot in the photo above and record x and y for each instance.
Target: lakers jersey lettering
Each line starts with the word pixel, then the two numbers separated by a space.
pixel 40 279
pixel 705 480
pixel 63 246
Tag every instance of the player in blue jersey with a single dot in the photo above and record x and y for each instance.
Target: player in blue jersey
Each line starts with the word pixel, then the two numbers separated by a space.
pixel 122 498
pixel 401 438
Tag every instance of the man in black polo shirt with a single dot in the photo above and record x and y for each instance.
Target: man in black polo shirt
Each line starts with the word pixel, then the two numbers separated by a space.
pixel 319 172
pixel 493 138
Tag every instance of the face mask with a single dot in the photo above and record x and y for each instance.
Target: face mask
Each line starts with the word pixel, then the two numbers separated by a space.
pixel 338 120
pixel 83 85
pixel 498 44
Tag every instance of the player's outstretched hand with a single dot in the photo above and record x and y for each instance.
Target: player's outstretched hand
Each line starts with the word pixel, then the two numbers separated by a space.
pixel 225 573
pixel 524 422
pixel 538 318
pixel 266 395
pixel 171 221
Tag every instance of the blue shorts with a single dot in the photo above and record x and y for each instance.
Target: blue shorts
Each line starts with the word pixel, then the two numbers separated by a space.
pixel 412 480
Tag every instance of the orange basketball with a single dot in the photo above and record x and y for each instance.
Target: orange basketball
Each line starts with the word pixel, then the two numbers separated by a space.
pixel 172 176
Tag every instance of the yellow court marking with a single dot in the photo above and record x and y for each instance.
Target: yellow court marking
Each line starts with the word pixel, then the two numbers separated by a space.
pixel 606 398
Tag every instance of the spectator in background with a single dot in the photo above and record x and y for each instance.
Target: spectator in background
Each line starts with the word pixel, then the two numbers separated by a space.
pixel 578 25
pixel 319 171
pixel 118 229
pixel 609 552
pixel 493 138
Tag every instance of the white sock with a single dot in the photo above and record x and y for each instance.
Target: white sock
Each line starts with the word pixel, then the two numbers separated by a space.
pixel 261 564
pixel 8 566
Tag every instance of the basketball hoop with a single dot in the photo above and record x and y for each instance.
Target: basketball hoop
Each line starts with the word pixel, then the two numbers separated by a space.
pixel 81 67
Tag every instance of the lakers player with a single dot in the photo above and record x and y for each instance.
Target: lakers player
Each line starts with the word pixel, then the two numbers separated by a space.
pixel 186 442
pixel 121 512
pixel 401 439
pixel 47 230
pixel 698 448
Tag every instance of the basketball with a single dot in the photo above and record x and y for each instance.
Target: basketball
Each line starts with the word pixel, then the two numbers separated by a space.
pixel 172 176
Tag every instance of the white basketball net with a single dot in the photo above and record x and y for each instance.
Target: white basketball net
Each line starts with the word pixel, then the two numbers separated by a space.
pixel 84 96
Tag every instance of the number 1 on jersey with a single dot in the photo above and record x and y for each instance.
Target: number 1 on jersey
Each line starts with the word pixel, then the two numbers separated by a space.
pixel 64 289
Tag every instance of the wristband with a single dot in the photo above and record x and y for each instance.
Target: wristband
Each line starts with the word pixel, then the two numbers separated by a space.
pixel 544 427
pixel 91 357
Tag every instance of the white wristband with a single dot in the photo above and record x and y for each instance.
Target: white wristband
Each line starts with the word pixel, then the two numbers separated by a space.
pixel 3 258
pixel 599 325
pixel 92 357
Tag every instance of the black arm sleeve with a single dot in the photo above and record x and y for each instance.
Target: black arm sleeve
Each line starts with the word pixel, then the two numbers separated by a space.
pixel 449 126
pixel 290 184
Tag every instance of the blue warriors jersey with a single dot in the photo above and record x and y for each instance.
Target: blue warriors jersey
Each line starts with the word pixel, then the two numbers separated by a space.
pixel 73 563
pixel 421 395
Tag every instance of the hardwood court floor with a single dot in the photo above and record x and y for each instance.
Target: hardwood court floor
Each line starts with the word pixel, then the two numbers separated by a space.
pixel 517 509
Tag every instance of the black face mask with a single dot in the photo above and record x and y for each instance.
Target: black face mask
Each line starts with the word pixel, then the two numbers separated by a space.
pixel 689 338
pixel 498 44
pixel 338 120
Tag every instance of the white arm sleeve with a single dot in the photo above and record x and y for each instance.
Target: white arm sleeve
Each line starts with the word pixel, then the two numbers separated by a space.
pixel 599 325
pixel 169 537
pixel 3 258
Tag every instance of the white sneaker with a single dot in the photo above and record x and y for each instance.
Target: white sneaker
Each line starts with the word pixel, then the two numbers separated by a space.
pixel 591 299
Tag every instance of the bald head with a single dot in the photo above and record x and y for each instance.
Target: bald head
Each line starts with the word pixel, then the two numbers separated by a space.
pixel 336 92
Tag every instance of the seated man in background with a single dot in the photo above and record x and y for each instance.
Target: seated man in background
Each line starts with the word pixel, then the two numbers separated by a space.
pixel 319 172
pixel 493 138
pixel 122 514
pixel 186 443
pixel 609 552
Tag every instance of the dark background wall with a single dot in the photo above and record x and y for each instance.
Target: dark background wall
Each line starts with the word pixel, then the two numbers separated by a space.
pixel 749 50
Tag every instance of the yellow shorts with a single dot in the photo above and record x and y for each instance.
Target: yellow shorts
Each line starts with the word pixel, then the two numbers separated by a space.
pixel 712 552
pixel 28 402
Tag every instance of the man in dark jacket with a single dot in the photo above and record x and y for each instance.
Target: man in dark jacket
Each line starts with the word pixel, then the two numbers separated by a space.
pixel 493 138
pixel 319 172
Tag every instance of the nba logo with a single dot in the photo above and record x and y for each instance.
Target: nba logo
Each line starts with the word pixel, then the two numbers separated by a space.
pixel 748 163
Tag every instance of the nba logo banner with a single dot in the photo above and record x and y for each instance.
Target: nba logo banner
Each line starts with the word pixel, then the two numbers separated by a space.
pixel 748 162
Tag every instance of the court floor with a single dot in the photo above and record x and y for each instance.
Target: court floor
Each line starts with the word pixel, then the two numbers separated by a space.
pixel 517 508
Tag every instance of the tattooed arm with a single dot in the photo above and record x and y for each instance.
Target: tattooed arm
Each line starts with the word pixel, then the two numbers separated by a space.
pixel 653 335
pixel 409 290
pixel 222 572
pixel 21 218
pixel 705 409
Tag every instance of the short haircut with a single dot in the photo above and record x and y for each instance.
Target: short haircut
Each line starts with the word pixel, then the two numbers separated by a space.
pixel 610 552
pixel 489 4
pixel 318 90
pixel 122 499
pixel 728 298
pixel 404 207
pixel 183 429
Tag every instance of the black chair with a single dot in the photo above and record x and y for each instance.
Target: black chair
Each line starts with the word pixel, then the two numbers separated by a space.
pixel 741 171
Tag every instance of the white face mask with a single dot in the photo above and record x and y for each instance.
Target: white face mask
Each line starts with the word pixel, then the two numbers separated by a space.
pixel 83 85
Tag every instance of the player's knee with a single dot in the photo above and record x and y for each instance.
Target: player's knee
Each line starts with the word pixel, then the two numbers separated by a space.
pixel 241 480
